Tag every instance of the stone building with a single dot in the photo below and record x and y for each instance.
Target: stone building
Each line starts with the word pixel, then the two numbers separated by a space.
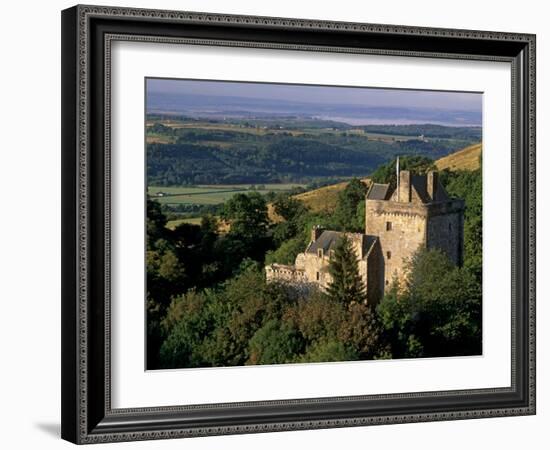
pixel 416 213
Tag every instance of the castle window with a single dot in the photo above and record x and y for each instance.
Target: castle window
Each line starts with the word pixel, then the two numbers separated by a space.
pixel 320 252
pixel 317 275
pixel 450 227
pixel 389 226
pixel 331 253
pixel 388 255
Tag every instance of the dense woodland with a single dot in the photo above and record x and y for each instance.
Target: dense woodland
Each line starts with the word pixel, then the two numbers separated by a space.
pixel 432 130
pixel 248 152
pixel 208 303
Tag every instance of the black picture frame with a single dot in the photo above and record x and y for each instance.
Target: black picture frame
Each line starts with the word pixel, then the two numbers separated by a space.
pixel 87 416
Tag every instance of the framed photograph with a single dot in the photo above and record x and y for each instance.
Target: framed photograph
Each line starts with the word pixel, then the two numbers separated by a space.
pixel 280 224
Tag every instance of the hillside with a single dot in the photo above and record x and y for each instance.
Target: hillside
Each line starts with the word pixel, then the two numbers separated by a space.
pixel 465 159
pixel 321 199
pixel 325 198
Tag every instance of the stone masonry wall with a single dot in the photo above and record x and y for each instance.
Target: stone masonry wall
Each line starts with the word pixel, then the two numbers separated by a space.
pixel 446 231
pixel 284 273
pixel 316 269
pixel 400 239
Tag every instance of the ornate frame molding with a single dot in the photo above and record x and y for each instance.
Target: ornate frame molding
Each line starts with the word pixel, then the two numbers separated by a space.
pixel 87 421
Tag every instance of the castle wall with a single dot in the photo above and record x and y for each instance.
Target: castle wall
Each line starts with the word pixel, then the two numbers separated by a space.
pixel 446 229
pixel 375 275
pixel 284 273
pixel 399 240
pixel 316 269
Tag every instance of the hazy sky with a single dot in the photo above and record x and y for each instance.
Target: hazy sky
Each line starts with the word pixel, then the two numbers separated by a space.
pixel 465 101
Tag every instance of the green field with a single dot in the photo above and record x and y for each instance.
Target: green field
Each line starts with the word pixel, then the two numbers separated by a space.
pixel 210 194
pixel 172 224
pixel 389 137
pixel 262 131
pixel 207 195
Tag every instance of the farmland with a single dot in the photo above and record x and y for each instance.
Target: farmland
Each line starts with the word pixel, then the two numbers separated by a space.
pixel 172 224
pixel 194 166
pixel 211 194
pixel 281 128
pixel 237 151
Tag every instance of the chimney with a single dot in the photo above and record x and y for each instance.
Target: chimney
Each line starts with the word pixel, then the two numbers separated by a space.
pixel 404 192
pixel 316 231
pixel 432 182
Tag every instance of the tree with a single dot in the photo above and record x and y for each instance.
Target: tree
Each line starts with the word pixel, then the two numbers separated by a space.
pixel 274 343
pixel 287 252
pixel 416 164
pixel 245 304
pixel 155 332
pixel 292 212
pixel 288 207
pixel 333 331
pixel 247 214
pixel 316 317
pixel 437 314
pixel 347 285
pixel 362 331
pixel 467 185
pixel 330 350
pixel 156 223
pixel 349 201
pixel 187 323
pixel 169 268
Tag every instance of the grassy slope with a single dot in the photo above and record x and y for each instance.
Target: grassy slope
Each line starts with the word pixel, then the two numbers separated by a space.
pixel 321 199
pixel 325 198
pixel 465 159
pixel 223 227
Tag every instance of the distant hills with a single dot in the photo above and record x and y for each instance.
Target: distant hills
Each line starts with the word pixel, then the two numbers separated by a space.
pixel 326 198
pixel 195 153
pixel 215 106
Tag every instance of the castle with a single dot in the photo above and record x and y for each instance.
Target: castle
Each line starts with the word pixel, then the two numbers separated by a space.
pixel 416 213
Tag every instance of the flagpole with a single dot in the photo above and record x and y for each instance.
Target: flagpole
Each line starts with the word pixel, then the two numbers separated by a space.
pixel 397 173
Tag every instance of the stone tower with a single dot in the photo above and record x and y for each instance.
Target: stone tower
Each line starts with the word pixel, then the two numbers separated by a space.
pixel 417 213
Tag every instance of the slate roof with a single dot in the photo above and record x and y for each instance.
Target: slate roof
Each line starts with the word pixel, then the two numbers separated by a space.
pixel 378 192
pixel 418 184
pixel 369 243
pixel 441 194
pixel 329 239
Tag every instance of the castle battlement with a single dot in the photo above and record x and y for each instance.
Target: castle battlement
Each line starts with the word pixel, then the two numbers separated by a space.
pixel 285 272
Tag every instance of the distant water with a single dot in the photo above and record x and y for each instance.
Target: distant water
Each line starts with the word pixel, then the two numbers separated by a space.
pixel 204 106
pixel 359 121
